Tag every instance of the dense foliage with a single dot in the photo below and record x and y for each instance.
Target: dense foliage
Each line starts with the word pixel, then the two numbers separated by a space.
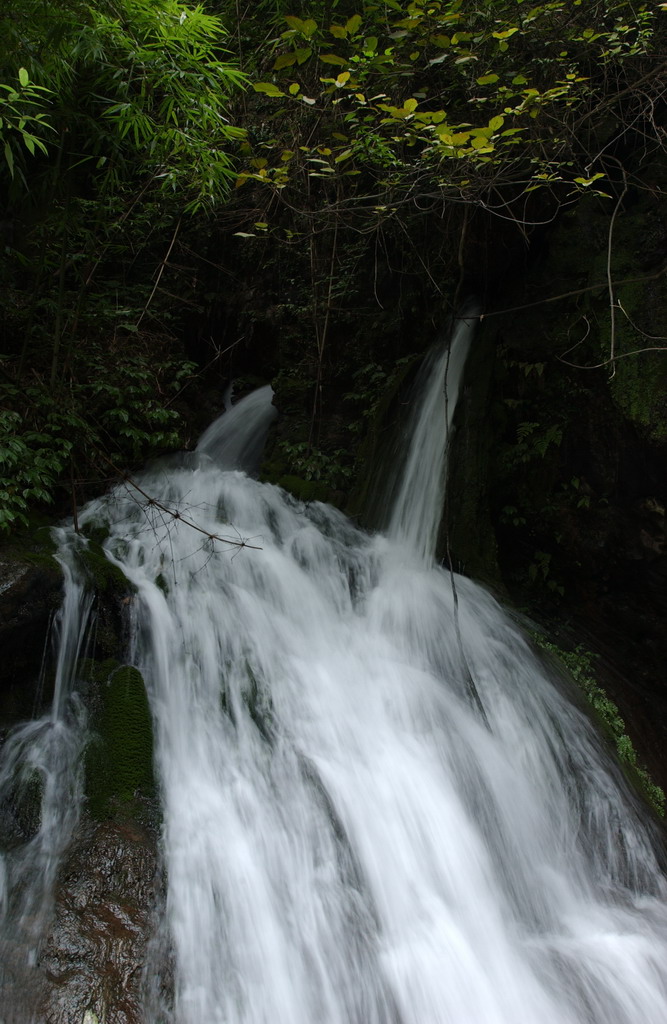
pixel 114 128
pixel 339 146
pixel 477 102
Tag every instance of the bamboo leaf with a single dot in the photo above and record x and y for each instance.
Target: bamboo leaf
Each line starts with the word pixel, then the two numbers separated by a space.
pixel 9 157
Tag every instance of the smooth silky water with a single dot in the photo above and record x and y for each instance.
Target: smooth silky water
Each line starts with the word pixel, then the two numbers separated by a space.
pixel 378 808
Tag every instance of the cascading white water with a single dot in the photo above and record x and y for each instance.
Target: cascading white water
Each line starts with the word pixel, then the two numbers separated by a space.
pixel 236 439
pixel 42 757
pixel 349 839
pixel 418 491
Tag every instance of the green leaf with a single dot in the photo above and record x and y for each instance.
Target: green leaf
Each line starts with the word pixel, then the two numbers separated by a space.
pixel 268 88
pixel 332 58
pixel 487 79
pixel 296 23
pixel 23 76
pixel 482 144
pixel 284 61
pixel 9 157
pixel 353 24
pixel 589 181
pixel 305 28
pixel 496 122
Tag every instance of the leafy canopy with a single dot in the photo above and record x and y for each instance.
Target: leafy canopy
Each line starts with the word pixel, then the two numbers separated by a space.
pixel 456 95
pixel 126 87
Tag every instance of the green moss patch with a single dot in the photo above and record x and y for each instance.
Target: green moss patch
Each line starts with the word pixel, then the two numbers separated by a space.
pixel 119 759
pixel 304 490
pixel 105 577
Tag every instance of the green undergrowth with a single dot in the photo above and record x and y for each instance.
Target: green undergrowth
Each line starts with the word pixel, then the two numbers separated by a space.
pixel 119 758
pixel 580 666
pixel 32 544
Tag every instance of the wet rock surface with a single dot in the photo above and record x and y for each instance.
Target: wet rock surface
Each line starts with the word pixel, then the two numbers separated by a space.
pixel 29 595
pixel 94 957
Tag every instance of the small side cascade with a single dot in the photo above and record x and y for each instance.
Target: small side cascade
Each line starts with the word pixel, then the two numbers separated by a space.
pixel 41 794
pixel 236 439
pixel 418 504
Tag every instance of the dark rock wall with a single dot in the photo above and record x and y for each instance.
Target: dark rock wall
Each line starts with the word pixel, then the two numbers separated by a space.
pixel 559 484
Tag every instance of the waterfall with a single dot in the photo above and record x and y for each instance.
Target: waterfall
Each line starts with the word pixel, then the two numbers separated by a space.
pixel 417 492
pixel 348 838
pixel 40 765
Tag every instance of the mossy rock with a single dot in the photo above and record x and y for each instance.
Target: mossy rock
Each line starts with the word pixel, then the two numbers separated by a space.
pixel 32 545
pixel 103 576
pixel 119 758
pixel 304 490
pixel 95 531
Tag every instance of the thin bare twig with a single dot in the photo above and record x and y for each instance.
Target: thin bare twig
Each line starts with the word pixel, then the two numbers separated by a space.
pixel 563 295
pixel 152 502
pixel 610 283
pixel 161 270
pixel 615 357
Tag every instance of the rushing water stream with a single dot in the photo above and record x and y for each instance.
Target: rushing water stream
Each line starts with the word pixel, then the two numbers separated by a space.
pixel 378 809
